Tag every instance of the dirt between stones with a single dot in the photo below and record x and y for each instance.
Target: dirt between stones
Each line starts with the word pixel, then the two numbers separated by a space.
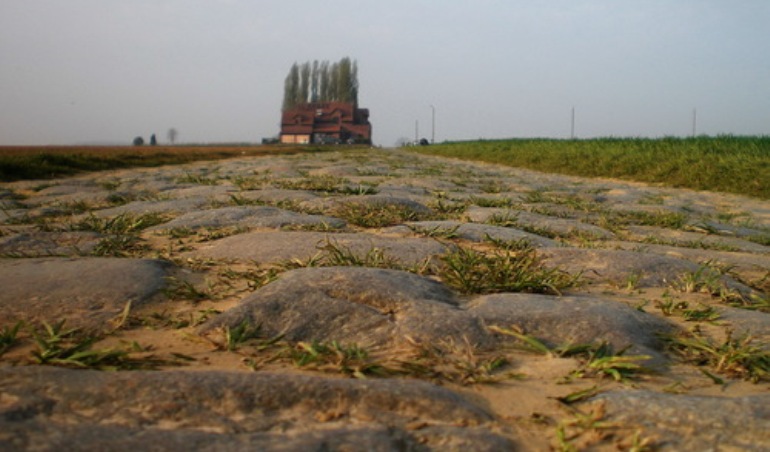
pixel 380 300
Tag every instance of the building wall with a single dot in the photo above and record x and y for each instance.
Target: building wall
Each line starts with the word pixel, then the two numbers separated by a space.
pixel 295 139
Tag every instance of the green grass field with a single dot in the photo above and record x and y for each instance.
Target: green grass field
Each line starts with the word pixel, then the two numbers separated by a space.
pixel 733 164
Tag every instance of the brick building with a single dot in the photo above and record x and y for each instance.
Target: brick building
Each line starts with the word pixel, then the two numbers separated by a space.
pixel 326 122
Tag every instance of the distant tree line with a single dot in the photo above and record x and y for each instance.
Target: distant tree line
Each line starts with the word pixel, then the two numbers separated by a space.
pixel 321 82
pixel 172 134
pixel 139 141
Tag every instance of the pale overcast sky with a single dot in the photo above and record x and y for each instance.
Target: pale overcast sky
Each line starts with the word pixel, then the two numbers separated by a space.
pixel 87 71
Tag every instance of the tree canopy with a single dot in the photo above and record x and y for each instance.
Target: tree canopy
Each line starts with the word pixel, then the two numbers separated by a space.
pixel 321 82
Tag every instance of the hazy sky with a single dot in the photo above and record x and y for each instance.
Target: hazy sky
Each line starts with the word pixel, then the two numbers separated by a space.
pixel 76 71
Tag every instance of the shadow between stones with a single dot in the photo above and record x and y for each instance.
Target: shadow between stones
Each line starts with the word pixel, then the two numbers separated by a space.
pixel 230 410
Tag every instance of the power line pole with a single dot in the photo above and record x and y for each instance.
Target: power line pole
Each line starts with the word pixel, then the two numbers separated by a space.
pixel 416 131
pixel 572 129
pixel 433 125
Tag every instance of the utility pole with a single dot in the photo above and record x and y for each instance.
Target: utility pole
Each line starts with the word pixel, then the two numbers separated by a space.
pixel 433 125
pixel 416 131
pixel 572 128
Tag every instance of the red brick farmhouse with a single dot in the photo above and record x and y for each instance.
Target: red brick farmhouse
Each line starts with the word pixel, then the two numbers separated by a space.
pixel 325 123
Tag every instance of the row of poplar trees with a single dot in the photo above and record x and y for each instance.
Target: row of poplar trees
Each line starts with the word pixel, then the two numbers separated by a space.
pixel 321 82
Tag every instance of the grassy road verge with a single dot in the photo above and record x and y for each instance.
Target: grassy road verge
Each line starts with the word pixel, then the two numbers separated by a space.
pixel 730 164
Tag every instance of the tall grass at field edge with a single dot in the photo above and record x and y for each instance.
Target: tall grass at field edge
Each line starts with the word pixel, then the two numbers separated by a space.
pixel 726 163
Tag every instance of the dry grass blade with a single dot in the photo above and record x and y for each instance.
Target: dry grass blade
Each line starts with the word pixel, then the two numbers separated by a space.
pixel 122 320
pixel 530 342
pixel 579 396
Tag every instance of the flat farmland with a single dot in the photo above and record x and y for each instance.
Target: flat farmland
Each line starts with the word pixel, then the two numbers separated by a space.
pixel 44 162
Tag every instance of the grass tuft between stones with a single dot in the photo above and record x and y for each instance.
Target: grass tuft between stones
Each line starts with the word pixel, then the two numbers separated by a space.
pixel 61 346
pixel 475 272
pixel 736 357
pixel 376 215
